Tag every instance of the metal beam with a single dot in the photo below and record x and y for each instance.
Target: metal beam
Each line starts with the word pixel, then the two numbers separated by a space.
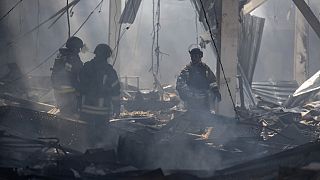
pixel 252 5
pixel 309 15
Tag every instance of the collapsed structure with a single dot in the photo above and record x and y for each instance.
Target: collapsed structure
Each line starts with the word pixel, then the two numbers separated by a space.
pixel 271 132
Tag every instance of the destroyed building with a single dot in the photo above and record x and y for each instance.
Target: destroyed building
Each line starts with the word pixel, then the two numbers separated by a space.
pixel 264 55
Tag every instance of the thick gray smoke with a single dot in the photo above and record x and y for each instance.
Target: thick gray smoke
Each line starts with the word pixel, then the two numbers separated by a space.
pixel 275 61
pixel 178 31
pixel 32 49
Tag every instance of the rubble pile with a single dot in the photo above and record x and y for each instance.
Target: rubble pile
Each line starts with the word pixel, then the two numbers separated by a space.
pixel 271 139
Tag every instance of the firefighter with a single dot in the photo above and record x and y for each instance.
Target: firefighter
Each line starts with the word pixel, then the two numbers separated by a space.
pixel 100 89
pixel 197 83
pixel 65 76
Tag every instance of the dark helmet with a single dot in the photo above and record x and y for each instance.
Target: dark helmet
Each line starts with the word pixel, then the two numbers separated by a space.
pixel 74 43
pixel 196 51
pixel 103 50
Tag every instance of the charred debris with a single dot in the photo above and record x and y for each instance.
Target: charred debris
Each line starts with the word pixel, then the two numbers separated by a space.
pixel 274 134
pixel 270 139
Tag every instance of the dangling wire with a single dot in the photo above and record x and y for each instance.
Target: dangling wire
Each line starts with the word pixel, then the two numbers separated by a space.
pixel 7 13
pixel 100 9
pixel 219 60
pixel 68 19
pixel 38 30
pixel 119 36
pixel 53 53
pixel 153 37
pixel 59 14
pixel 157 50
pixel 197 32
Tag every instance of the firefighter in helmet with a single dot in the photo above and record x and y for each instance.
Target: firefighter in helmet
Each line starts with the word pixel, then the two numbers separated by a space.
pixel 197 83
pixel 65 76
pixel 100 89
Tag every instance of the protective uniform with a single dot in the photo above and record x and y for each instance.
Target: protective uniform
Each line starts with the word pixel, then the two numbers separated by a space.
pixel 195 83
pixel 65 76
pixel 100 89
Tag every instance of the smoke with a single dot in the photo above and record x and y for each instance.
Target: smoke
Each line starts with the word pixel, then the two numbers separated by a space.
pixel 32 49
pixel 176 34
pixel 275 60
pixel 180 146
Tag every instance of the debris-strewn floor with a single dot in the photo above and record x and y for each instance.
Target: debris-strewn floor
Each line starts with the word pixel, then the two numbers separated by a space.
pixel 156 139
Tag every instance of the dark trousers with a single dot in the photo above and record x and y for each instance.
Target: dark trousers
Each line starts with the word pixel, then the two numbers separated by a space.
pixel 97 126
pixel 67 102
pixel 198 105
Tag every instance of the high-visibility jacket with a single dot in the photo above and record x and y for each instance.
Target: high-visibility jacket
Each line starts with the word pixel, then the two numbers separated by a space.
pixel 99 86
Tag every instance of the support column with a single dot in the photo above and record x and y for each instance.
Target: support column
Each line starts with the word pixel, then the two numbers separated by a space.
pixel 114 27
pixel 229 54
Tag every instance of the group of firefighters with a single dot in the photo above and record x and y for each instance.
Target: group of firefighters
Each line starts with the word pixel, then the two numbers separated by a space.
pixel 92 89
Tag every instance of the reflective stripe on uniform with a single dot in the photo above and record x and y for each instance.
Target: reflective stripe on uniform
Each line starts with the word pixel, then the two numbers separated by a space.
pixel 94 112
pixel 65 89
pixel 98 110
pixel 213 85
pixel 68 67
pixel 95 108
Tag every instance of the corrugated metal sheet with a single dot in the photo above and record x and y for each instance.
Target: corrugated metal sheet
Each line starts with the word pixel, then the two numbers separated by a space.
pixel 250 40
pixel 274 92
pixel 312 84
pixel 248 95
pixel 307 90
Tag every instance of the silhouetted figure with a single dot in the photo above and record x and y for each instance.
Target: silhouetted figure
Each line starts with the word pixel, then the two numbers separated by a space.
pixel 65 76
pixel 195 83
pixel 100 89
